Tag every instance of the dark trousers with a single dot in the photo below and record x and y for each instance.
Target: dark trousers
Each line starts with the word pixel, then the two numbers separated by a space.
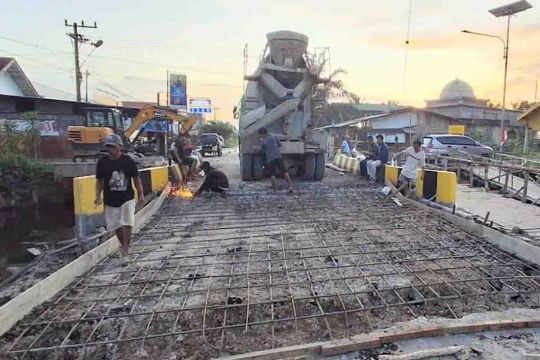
pixel 363 168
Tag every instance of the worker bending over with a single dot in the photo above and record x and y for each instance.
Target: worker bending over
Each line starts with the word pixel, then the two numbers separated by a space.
pixel 114 173
pixel 215 180
pixel 182 149
pixel 274 161
pixel 416 159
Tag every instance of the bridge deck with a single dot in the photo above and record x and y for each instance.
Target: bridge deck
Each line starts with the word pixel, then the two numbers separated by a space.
pixel 258 270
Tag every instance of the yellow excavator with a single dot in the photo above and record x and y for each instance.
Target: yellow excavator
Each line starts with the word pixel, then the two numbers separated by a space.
pixel 87 140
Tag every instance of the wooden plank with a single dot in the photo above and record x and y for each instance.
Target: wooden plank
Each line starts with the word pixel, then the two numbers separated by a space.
pixel 279 353
pixel 24 303
pixel 374 340
pixel 355 343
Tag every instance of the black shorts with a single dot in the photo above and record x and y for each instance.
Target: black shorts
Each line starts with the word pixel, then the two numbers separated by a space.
pixel 275 165
pixel 186 160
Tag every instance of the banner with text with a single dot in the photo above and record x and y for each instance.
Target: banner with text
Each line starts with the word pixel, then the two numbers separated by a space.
pixel 200 105
pixel 178 91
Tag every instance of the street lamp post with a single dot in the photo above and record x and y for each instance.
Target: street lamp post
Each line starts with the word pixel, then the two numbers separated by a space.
pixel 508 11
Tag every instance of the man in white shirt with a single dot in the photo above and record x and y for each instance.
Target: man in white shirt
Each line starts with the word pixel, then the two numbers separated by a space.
pixel 416 158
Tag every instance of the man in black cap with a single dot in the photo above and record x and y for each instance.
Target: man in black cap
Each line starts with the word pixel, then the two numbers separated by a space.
pixel 215 181
pixel 114 173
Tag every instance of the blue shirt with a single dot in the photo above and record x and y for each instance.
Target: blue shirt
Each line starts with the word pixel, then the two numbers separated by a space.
pixel 382 154
pixel 270 147
pixel 345 148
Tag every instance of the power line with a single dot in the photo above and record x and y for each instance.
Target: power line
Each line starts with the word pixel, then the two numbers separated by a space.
pixel 36 61
pixel 407 41
pixel 34 45
pixel 131 61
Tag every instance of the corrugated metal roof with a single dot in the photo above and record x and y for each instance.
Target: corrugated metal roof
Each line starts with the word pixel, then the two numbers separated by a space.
pixel 376 107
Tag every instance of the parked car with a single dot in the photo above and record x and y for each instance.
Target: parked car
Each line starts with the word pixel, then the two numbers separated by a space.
pixel 455 146
pixel 211 143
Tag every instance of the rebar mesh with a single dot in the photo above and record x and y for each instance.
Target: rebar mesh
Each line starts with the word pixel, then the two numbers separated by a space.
pixel 257 270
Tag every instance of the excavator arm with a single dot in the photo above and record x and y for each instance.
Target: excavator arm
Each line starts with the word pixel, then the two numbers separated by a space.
pixel 150 112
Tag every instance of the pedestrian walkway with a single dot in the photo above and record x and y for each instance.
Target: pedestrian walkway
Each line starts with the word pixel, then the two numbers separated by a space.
pixel 515 183
pixel 507 212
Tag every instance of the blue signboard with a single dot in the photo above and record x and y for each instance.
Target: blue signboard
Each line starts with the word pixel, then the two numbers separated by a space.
pixel 200 110
pixel 178 91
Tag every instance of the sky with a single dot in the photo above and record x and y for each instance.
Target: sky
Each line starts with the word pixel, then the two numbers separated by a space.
pixel 205 39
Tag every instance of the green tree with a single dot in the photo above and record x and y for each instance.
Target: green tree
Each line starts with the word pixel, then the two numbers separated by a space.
pixel 31 134
pixel 10 138
pixel 331 88
pixel 522 105
pixel 223 128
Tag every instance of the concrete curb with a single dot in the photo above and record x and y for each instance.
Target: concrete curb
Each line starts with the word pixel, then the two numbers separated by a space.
pixel 405 331
pixel 510 244
pixel 18 307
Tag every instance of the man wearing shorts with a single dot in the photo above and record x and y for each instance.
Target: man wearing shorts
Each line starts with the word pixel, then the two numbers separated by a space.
pixel 114 173
pixel 416 158
pixel 274 160
pixel 182 149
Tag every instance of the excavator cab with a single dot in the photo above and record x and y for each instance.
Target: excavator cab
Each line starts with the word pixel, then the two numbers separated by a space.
pixel 87 140
pixel 99 122
pixel 105 117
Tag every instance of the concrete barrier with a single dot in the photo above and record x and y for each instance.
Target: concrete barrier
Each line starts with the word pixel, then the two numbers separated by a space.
pixel 439 186
pixel 347 163
pixel 88 216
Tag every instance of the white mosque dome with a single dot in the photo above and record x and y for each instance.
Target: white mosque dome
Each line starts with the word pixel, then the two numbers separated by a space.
pixel 457 89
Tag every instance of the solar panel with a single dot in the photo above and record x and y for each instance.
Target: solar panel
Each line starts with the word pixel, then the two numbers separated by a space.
pixel 510 9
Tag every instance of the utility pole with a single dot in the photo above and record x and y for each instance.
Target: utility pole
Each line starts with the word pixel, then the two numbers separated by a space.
pixel 86 84
pixel 77 39
pixel 168 88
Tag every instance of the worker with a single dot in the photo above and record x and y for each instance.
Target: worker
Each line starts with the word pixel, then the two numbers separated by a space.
pixel 114 173
pixel 369 155
pixel 274 161
pixel 415 159
pixel 381 158
pixel 215 180
pixel 345 148
pixel 182 149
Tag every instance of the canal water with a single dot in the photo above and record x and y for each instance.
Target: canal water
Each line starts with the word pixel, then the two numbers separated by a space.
pixel 33 225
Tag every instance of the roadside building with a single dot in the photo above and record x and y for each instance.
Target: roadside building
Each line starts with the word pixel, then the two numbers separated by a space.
pixel 457 100
pixel 13 80
pixel 531 121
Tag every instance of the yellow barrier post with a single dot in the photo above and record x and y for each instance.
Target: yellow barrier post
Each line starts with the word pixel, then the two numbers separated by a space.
pixel 391 173
pixel 446 187
pixel 420 185
pixel 159 177
pixel 84 194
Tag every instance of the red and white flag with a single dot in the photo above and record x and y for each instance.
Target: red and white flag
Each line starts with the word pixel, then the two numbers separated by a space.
pixel 504 136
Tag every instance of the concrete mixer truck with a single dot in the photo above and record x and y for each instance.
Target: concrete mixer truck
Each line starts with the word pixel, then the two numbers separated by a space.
pixel 278 97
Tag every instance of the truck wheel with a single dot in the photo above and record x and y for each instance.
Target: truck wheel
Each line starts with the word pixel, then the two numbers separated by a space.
pixel 309 167
pixel 320 166
pixel 203 154
pixel 258 170
pixel 219 152
pixel 246 163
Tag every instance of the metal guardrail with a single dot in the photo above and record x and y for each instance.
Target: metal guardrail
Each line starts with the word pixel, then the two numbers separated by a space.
pixel 507 167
